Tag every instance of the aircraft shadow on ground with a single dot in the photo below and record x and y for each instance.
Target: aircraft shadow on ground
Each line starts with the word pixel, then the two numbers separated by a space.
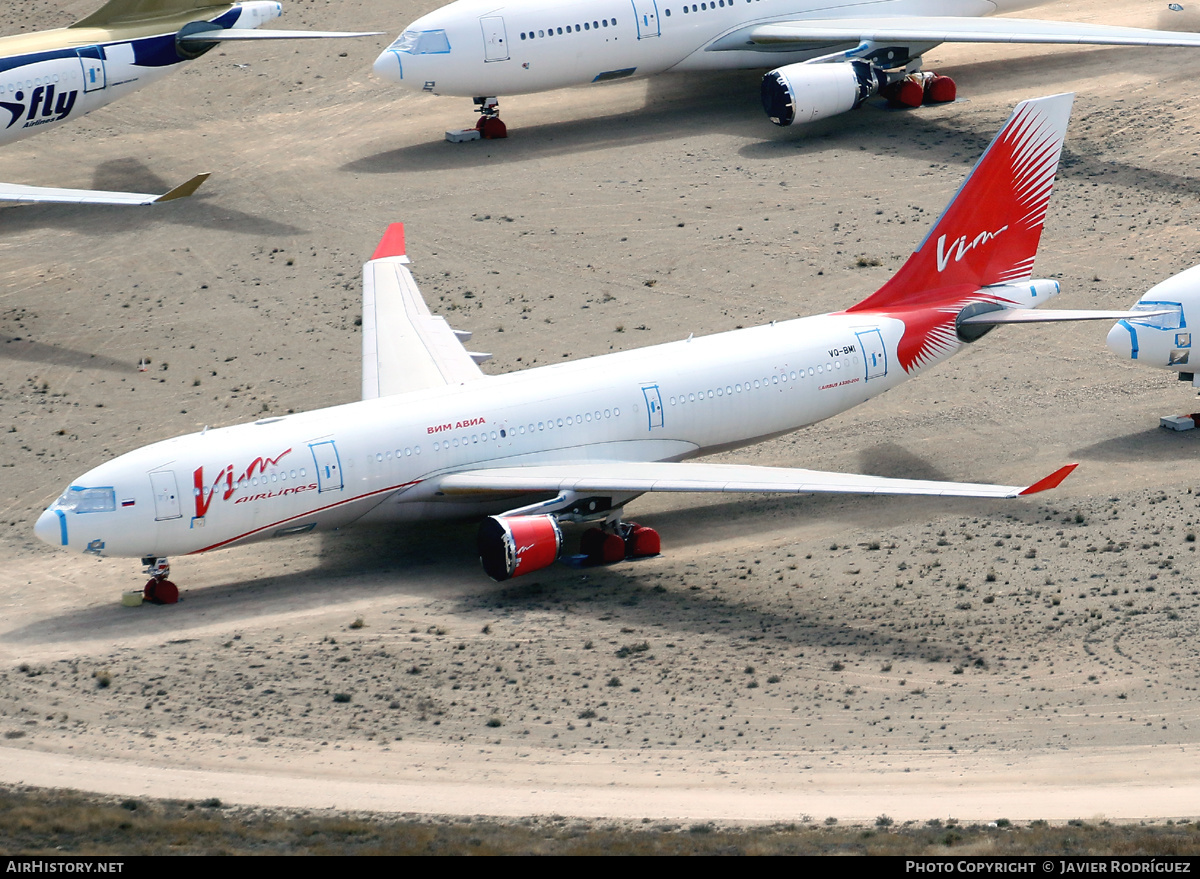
pixel 689 105
pixel 1154 444
pixel 943 141
pixel 676 107
pixel 201 210
pixel 20 348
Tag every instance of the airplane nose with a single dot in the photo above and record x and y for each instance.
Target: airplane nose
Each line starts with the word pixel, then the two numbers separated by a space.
pixel 387 66
pixel 1120 340
pixel 51 528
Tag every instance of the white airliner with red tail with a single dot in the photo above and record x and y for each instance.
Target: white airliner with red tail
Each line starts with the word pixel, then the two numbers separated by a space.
pixel 433 437
pixel 828 56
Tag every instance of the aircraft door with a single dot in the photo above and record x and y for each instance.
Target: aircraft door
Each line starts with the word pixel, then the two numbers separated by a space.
pixel 646 13
pixel 329 466
pixel 654 408
pixel 92 60
pixel 874 352
pixel 166 495
pixel 495 41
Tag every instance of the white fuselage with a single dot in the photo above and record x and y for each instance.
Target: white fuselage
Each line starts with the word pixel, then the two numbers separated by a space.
pixel 379 460
pixel 474 48
pixel 54 76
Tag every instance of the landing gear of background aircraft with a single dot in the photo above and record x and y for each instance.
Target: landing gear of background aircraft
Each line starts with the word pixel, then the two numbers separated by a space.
pixel 489 126
pixel 919 88
pixel 159 590
pixel 625 540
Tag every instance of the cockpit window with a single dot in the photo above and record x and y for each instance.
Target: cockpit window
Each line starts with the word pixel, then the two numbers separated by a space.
pixel 1172 320
pixel 87 500
pixel 422 43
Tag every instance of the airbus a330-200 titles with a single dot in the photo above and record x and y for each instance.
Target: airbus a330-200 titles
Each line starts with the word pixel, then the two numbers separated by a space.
pixel 434 437
pixel 828 56
pixel 50 77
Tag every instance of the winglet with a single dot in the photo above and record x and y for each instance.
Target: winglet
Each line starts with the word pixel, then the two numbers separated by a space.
pixel 183 190
pixel 1054 480
pixel 392 242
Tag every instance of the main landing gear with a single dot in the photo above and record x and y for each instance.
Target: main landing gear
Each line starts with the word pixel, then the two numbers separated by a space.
pixel 159 590
pixel 618 541
pixel 915 89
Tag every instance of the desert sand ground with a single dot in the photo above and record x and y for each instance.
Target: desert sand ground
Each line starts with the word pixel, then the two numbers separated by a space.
pixel 784 657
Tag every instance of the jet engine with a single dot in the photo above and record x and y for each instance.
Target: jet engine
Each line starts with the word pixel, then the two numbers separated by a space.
pixel 515 545
pixel 801 93
pixel 1163 341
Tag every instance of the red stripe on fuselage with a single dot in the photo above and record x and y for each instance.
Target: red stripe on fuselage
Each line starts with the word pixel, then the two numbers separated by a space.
pixel 302 515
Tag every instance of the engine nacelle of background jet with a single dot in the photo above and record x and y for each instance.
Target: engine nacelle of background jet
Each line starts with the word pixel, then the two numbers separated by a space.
pixel 1165 340
pixel 516 545
pixel 801 93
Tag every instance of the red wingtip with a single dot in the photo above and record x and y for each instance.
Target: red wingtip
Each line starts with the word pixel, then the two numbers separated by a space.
pixel 392 242
pixel 1054 480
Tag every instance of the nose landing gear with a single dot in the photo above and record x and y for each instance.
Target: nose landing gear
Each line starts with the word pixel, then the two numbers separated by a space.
pixel 489 126
pixel 159 590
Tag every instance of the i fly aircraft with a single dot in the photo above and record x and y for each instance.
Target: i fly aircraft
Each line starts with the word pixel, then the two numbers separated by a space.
pixel 1157 334
pixel 829 56
pixel 433 437
pixel 50 77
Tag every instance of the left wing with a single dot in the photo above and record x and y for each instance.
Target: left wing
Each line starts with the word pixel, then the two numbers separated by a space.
pixel 404 347
pixel 943 29
pixel 644 476
pixel 18 192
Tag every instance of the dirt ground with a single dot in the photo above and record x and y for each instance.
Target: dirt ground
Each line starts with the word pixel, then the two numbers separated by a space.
pixel 784 657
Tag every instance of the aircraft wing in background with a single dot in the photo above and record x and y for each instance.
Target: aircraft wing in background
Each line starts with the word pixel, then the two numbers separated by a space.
pixel 19 192
pixel 943 29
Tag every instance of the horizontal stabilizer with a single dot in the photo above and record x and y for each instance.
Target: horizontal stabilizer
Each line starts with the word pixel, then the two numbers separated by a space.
pixel 227 34
pixel 946 29
pixel 1033 316
pixel 619 476
pixel 49 194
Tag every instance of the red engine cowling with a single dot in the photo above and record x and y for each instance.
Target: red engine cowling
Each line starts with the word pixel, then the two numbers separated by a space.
pixel 510 547
pixel 799 93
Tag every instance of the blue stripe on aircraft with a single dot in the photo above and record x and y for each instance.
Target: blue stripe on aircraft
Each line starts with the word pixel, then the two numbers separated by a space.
pixel 62 526
pixel 1133 345
pixel 157 51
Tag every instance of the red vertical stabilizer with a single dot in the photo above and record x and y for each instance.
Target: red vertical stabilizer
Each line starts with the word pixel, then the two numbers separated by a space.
pixel 989 232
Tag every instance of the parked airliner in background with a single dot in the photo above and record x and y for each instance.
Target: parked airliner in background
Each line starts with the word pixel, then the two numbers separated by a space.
pixel 1159 334
pixel 829 56
pixel 49 77
pixel 433 437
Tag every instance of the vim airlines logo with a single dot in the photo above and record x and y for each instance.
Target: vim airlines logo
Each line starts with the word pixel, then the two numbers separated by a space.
pixel 204 493
pixel 44 106
pixel 962 247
